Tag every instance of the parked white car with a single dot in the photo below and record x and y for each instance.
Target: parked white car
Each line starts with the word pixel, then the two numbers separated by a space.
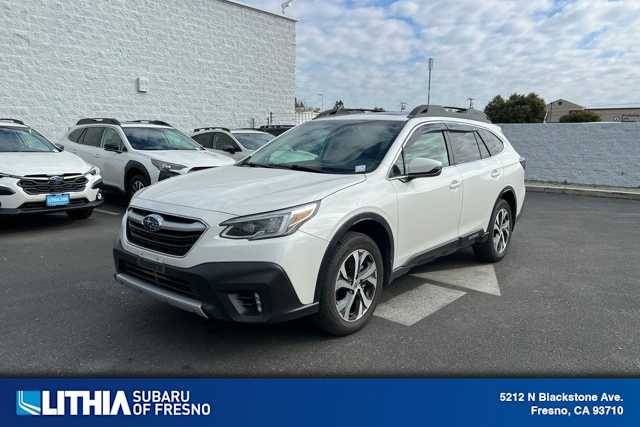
pixel 237 143
pixel 36 176
pixel 133 155
pixel 322 218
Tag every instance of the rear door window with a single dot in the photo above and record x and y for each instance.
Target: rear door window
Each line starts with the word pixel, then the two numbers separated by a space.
pixel 92 137
pixel 483 148
pixel 464 146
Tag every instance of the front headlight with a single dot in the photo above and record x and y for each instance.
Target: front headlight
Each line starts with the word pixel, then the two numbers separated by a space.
pixel 270 224
pixel 167 165
pixel 93 171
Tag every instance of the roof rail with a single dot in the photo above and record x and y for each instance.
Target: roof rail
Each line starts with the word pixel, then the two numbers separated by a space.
pixel 211 128
pixel 151 122
pixel 444 111
pixel 339 111
pixel 98 120
pixel 20 122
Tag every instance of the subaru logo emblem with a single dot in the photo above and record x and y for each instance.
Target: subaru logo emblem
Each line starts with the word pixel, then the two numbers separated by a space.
pixel 56 180
pixel 152 222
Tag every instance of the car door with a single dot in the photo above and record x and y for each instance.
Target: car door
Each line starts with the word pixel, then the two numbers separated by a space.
pixel 224 144
pixel 478 178
pixel 113 159
pixel 428 207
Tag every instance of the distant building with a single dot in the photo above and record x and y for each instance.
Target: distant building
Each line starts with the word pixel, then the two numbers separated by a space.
pixel 561 107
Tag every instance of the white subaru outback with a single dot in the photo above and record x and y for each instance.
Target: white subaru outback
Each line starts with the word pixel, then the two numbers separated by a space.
pixel 37 176
pixel 321 219
pixel 133 155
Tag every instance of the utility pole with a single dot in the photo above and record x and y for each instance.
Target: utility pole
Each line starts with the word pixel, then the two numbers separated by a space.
pixel 321 95
pixel 471 102
pixel 429 84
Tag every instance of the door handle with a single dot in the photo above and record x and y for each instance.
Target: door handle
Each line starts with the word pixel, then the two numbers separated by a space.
pixel 454 184
pixel 495 173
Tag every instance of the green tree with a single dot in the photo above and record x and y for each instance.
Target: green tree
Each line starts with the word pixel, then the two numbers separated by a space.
pixel 581 116
pixel 516 109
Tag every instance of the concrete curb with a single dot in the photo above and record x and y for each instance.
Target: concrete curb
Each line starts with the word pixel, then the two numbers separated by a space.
pixel 610 192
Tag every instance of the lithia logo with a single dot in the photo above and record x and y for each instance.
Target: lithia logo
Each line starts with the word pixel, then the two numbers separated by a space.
pixel 107 402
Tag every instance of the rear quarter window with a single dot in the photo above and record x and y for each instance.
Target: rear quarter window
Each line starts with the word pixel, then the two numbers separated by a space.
pixel 493 143
pixel 75 135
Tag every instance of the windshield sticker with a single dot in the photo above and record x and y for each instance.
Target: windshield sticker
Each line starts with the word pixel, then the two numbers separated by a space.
pixel 361 168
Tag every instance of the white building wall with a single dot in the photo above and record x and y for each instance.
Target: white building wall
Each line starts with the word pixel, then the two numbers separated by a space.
pixel 208 62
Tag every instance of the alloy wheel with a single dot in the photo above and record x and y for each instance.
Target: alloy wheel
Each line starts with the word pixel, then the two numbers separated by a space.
pixel 356 285
pixel 501 230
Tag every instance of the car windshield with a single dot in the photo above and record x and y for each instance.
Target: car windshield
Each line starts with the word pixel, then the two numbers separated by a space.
pixel 24 140
pixel 330 146
pixel 252 141
pixel 148 138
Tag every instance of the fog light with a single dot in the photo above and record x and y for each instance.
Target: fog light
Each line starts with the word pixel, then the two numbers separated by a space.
pixel 99 195
pixel 246 303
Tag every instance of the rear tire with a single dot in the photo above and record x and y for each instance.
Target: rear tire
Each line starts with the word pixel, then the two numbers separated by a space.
pixel 136 183
pixel 494 248
pixel 349 296
pixel 79 214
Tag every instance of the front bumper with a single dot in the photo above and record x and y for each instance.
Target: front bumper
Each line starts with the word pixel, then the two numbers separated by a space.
pixel 39 209
pixel 251 292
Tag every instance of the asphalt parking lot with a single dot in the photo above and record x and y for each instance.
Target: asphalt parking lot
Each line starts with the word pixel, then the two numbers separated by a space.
pixel 565 301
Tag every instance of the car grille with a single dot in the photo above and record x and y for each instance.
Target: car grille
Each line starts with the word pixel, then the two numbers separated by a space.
pixel 175 235
pixel 45 184
pixel 43 205
pixel 155 278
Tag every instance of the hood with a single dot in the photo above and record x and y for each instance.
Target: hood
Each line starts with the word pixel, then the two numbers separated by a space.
pixel 239 190
pixel 42 163
pixel 191 158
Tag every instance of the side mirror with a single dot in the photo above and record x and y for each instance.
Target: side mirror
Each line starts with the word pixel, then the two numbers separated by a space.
pixel 421 167
pixel 59 147
pixel 112 147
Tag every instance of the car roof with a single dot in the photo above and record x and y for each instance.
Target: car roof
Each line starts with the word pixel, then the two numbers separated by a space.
pixel 14 123
pixel 403 116
pixel 249 131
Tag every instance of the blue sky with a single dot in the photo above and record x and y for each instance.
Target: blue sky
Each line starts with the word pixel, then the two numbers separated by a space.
pixel 374 52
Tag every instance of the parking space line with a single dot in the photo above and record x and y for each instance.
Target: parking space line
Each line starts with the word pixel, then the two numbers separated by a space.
pixel 103 211
pixel 478 278
pixel 412 306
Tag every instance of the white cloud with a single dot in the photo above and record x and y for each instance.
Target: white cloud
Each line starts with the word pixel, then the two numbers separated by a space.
pixel 370 52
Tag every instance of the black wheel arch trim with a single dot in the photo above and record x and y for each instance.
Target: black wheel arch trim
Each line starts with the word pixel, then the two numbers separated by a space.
pixel 342 231
pixel 509 189
pixel 137 166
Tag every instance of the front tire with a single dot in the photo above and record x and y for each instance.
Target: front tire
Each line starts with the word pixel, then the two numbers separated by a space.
pixel 351 285
pixel 494 248
pixel 136 183
pixel 79 214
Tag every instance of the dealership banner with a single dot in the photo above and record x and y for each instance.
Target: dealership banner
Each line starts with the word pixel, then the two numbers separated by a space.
pixel 320 402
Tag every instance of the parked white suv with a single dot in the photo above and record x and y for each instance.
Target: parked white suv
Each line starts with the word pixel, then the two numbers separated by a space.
pixel 133 155
pixel 237 143
pixel 36 176
pixel 322 218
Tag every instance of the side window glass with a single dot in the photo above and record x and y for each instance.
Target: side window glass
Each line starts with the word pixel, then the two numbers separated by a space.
pixel 429 145
pixel 464 146
pixel 204 139
pixel 223 142
pixel 92 136
pixel 493 142
pixel 483 148
pixel 110 137
pixel 75 135
pixel 423 144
